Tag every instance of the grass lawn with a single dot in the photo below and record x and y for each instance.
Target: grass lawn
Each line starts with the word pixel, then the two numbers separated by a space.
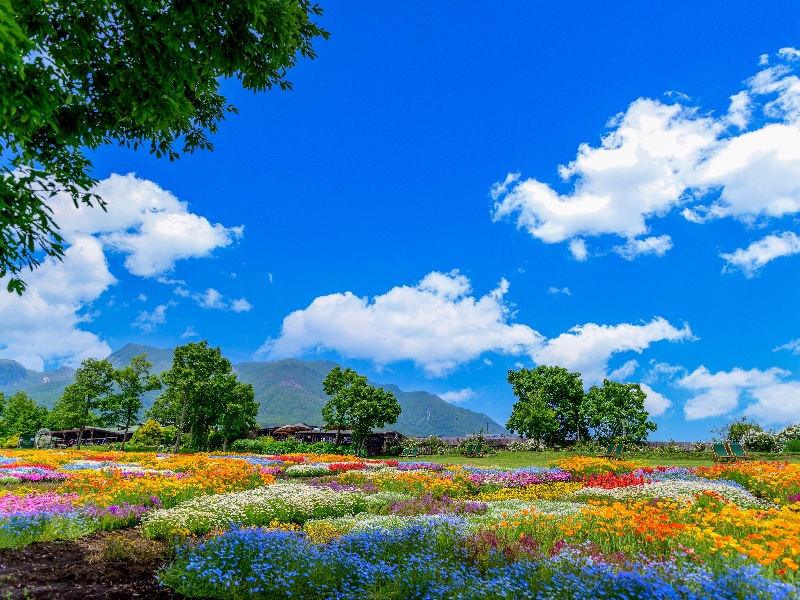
pixel 543 459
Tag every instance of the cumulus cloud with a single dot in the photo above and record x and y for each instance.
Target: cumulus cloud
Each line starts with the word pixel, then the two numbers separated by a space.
pixel 44 325
pixel 148 321
pixel 240 305
pixel 662 371
pixel 658 158
pixel 655 403
pixel 146 223
pixel 578 249
pixel 436 324
pixel 588 348
pixel 777 403
pixel 750 260
pixel 456 397
pixel 651 245
pixel 719 392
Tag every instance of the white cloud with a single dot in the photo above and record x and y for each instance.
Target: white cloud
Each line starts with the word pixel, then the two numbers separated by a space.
pixel 240 305
pixel 578 249
pixel 555 290
pixel 720 392
pixel 148 321
pixel 624 371
pixel 189 333
pixel 655 403
pixel 658 158
pixel 588 348
pixel 44 325
pixel 145 222
pixel 456 397
pixel 211 298
pixel 793 347
pixel 778 403
pixel 759 253
pixel 651 245
pixel 141 298
pixel 152 227
pixel 436 324
pixel 662 371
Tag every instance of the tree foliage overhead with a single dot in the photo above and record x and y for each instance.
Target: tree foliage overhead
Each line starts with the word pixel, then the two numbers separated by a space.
pixel 358 405
pixel 550 405
pixel 78 74
pixel 616 412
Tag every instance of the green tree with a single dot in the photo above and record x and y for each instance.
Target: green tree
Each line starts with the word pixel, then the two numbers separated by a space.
pixel 21 415
pixel 132 381
pixel 200 386
pixel 239 412
pixel 340 385
pixel 616 412
pixel 94 382
pixel 551 404
pixel 531 417
pixel 357 404
pixel 735 430
pixel 142 73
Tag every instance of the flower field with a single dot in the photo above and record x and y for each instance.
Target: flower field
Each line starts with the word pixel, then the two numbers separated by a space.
pixel 328 526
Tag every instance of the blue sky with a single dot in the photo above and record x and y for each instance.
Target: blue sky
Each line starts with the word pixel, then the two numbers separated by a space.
pixel 447 195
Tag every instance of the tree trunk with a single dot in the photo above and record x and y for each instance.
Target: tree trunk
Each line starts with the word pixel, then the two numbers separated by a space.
pixel 225 444
pixel 83 422
pixel 180 422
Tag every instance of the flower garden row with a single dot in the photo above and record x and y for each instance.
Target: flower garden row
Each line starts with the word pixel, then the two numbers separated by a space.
pixel 329 526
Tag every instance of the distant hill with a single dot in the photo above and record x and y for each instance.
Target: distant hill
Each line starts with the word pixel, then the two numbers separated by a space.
pixel 288 390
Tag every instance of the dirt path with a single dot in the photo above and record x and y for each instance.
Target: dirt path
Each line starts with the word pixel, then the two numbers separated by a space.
pixel 103 565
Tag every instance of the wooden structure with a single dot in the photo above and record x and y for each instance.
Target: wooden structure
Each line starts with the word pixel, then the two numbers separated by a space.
pixel 377 443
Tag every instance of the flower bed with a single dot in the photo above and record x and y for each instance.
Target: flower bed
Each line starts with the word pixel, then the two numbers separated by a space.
pixel 339 526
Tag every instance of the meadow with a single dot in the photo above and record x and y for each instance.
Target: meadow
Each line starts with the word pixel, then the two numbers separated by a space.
pixel 335 526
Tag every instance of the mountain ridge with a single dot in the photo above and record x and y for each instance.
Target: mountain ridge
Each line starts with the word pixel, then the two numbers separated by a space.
pixel 288 390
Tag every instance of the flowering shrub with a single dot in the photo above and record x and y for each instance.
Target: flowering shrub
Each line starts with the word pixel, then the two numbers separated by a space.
pixel 760 441
pixel 526 446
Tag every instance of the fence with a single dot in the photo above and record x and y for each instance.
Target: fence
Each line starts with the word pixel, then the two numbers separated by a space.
pixel 501 443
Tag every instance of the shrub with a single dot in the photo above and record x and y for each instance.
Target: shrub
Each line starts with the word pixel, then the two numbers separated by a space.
pixel 149 434
pixel 760 441
pixel 269 445
pixel 526 446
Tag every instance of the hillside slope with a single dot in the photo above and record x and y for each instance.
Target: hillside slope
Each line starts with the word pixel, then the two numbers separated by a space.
pixel 288 390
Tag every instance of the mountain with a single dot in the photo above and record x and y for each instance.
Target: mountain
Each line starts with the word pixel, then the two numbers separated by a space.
pixel 288 390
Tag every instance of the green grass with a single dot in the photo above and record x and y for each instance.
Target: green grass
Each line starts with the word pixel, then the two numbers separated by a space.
pixel 543 459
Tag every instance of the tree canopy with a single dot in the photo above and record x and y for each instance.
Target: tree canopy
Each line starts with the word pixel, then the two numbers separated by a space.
pixel 203 394
pixel 550 405
pixel 131 381
pixel 616 412
pixel 82 399
pixel 356 404
pixel 20 415
pixel 78 74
